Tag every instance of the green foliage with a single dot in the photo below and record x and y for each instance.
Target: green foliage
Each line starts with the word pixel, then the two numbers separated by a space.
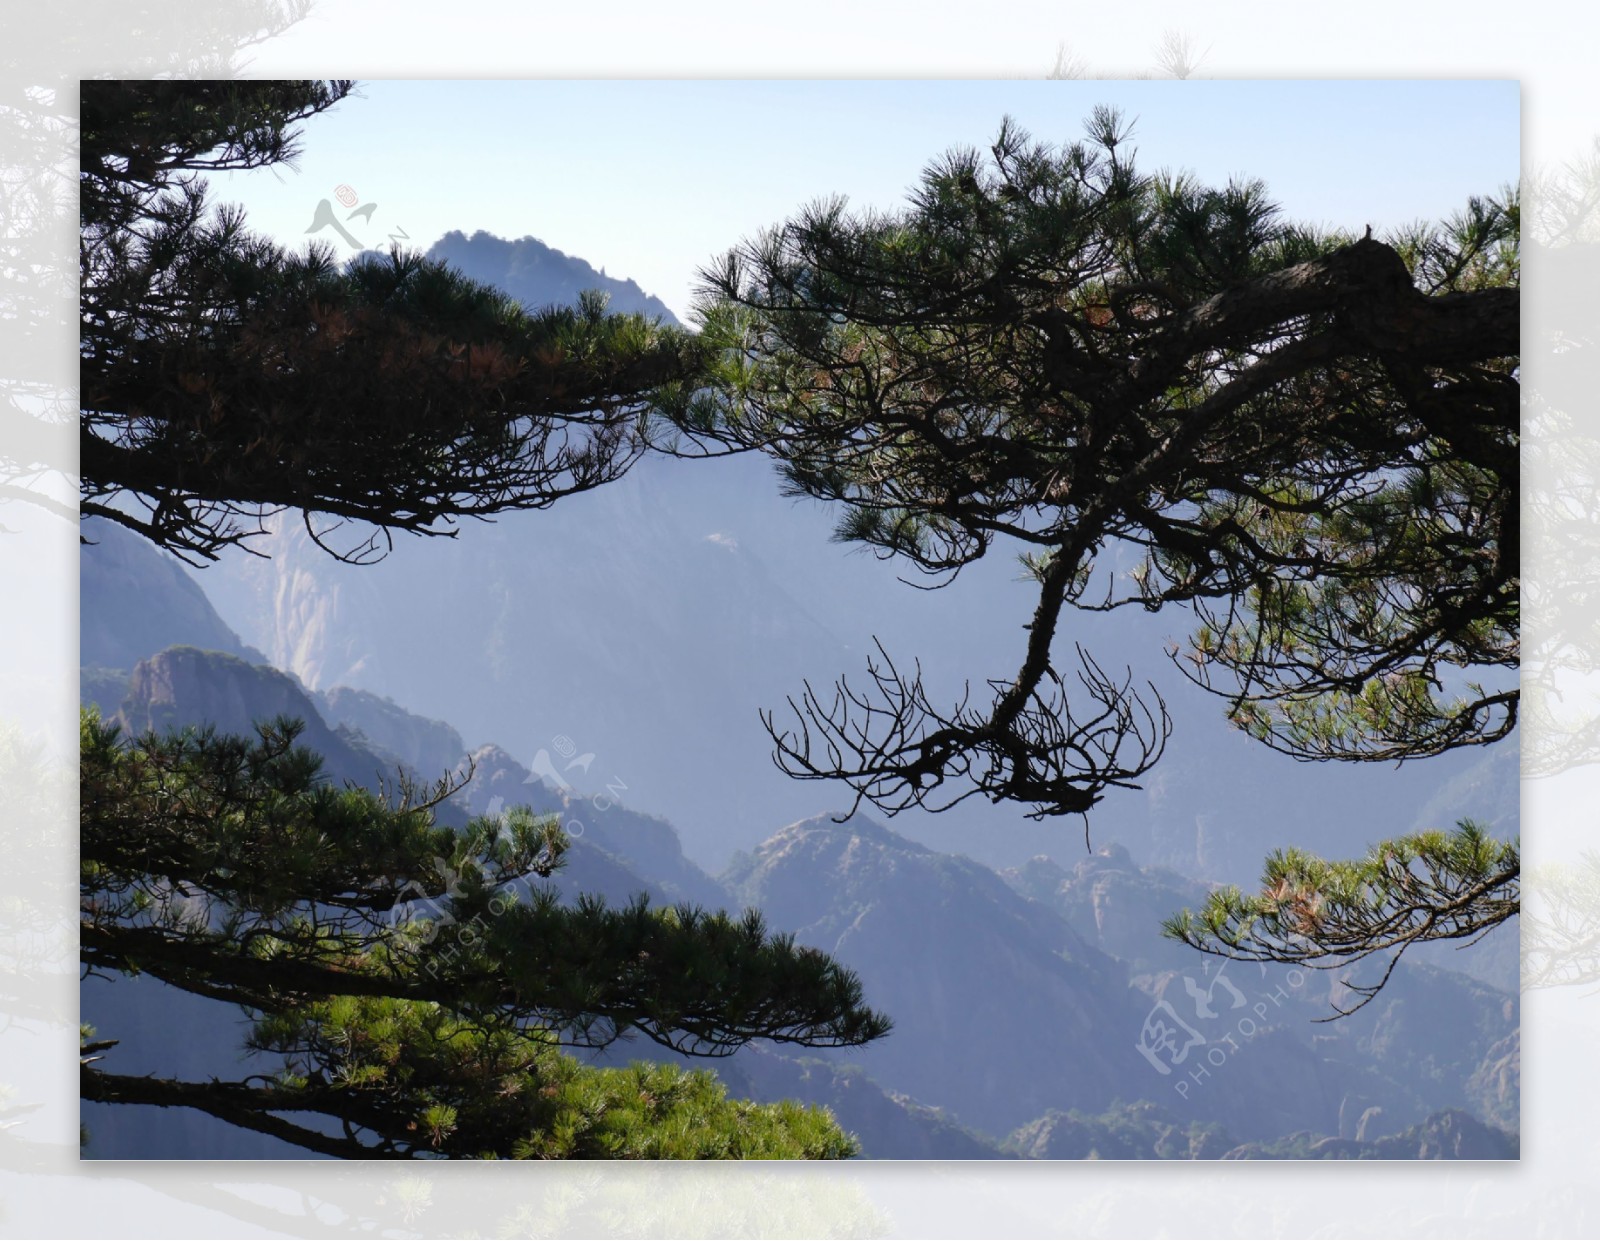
pixel 138 138
pixel 412 981
pixel 1413 576
pixel 457 1088
pixel 1326 914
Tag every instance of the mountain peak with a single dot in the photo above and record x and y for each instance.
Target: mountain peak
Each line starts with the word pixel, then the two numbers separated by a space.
pixel 537 274
pixel 856 825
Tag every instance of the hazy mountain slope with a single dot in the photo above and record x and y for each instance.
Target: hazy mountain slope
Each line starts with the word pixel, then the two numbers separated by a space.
pixel 651 620
pixel 628 620
pixel 184 686
pixel 888 1125
pixel 987 990
pixel 1495 1089
pixel 1003 1009
pixel 1447 1135
pixel 1449 1037
pixel 104 688
pixel 1433 1039
pixel 309 620
pixel 616 852
pixel 1114 904
pixel 134 600
pixel 428 748
pixel 1119 906
pixel 646 846
pixel 1132 1131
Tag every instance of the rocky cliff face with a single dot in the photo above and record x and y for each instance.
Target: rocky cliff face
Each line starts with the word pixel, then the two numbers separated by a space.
pixel 1446 1135
pixel 1147 1131
pixel 1431 1028
pixel 1134 1131
pixel 1495 1087
pixel 184 686
pixel 1114 904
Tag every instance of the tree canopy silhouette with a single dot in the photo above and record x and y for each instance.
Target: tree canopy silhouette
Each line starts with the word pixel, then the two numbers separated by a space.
pixel 225 380
pixel 409 982
pixel 406 985
pixel 1307 438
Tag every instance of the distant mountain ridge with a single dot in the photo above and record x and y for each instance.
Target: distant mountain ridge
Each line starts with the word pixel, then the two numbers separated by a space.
pixel 1006 1008
pixel 1146 1131
pixel 1004 1012
pixel 539 275
pixel 946 948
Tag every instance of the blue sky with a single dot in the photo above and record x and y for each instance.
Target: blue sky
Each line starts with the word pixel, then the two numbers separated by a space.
pixel 652 179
